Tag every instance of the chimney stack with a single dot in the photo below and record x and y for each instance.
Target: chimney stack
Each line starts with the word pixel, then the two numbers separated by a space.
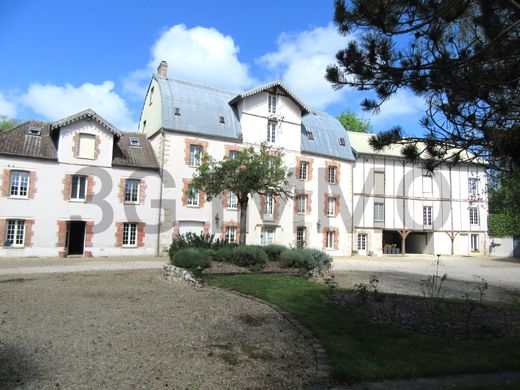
pixel 162 70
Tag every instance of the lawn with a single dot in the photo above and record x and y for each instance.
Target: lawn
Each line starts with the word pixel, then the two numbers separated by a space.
pixel 361 350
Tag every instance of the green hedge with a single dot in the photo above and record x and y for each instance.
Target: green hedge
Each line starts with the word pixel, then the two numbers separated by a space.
pixel 500 225
pixel 191 259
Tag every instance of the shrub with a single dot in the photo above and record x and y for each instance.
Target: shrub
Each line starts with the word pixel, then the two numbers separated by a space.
pixel 323 259
pixel 225 254
pixel 191 259
pixel 274 251
pixel 198 241
pixel 298 258
pixel 248 255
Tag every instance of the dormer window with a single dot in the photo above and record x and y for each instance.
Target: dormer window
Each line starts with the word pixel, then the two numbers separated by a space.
pixel 34 131
pixel 151 95
pixel 135 142
pixel 87 146
pixel 342 141
pixel 221 120
pixel 271 103
pixel 177 111
pixel 310 136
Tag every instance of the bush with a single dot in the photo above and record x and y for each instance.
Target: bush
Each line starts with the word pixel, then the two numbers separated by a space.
pixel 225 254
pixel 298 258
pixel 191 259
pixel 197 241
pixel 323 259
pixel 274 251
pixel 248 255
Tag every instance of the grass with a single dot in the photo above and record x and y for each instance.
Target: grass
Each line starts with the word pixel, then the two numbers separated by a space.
pixel 364 351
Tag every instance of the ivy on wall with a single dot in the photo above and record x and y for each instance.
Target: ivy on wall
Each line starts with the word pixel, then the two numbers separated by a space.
pixel 501 225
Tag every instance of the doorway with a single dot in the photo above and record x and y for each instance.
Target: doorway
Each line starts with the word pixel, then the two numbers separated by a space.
pixel 362 244
pixel 75 237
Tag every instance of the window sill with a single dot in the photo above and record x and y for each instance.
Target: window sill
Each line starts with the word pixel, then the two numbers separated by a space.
pixel 192 206
pixel 131 203
pixel 18 197
pixel 232 208
pixel 14 247
pixel 85 158
pixel 78 200
pixel 128 246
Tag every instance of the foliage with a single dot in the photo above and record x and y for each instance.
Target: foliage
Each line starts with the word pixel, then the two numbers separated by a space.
pixel 321 258
pixel 432 287
pixel 7 123
pixel 251 172
pixel 461 56
pixel 501 225
pixel 225 254
pixel 274 251
pixel 352 122
pixel 191 259
pixel 364 290
pixel 249 255
pixel 297 258
pixel 192 240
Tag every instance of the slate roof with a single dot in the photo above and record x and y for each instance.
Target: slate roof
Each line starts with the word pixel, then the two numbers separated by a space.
pixel 18 142
pixel 129 156
pixel 89 115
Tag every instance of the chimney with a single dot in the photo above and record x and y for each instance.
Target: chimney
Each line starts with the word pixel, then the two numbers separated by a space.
pixel 162 70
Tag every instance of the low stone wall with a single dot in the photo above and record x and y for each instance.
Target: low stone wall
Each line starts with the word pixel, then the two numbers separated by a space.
pixel 179 275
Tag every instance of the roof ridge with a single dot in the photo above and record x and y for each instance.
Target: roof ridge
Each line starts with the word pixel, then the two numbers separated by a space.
pixel 227 91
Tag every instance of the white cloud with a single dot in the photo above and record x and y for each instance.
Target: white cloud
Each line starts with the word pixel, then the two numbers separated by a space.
pixel 300 61
pixel 198 54
pixel 7 107
pixel 55 102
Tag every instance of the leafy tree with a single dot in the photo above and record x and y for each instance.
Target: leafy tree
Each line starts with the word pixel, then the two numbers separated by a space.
pixel 7 123
pixel 462 56
pixel 250 172
pixel 352 122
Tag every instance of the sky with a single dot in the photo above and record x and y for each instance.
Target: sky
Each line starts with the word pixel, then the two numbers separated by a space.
pixel 62 57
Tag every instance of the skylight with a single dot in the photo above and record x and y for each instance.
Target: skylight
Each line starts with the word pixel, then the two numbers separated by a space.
pixel 342 141
pixel 310 136
pixel 135 142
pixel 221 119
pixel 34 131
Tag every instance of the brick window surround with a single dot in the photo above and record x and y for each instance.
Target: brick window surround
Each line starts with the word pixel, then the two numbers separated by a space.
pixel 338 171
pixel 309 161
pixel 276 206
pixel 188 143
pixel 6 183
pixel 185 189
pixel 75 145
pixel 29 232
pixel 308 196
pixel 326 205
pixel 67 183
pixel 224 202
pixel 121 190
pixel 229 148
pixel 227 224
pixel 335 230
pixel 140 234
pixel 62 236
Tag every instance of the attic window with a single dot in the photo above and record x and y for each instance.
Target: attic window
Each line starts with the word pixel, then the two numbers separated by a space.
pixel 34 131
pixel 310 136
pixel 342 141
pixel 135 142
pixel 221 119
pixel 177 111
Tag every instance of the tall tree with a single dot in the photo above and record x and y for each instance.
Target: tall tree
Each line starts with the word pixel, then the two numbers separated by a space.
pixel 250 172
pixel 462 56
pixel 7 123
pixel 352 122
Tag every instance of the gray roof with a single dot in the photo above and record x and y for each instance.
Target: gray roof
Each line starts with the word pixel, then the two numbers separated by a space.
pixel 130 156
pixel 89 115
pixel 200 108
pixel 326 133
pixel 18 141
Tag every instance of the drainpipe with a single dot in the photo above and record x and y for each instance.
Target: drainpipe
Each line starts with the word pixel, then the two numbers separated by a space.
pixel 161 175
pixel 352 218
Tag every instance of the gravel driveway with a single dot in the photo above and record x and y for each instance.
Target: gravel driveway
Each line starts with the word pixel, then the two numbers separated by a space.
pixel 131 329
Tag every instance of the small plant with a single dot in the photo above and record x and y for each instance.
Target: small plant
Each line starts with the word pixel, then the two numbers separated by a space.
pixel 364 290
pixel 298 258
pixel 481 285
pixel 198 241
pixel 274 251
pixel 361 292
pixel 248 255
pixel 432 287
pixel 191 259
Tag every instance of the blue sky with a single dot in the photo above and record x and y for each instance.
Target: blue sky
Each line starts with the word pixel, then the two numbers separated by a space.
pixel 61 57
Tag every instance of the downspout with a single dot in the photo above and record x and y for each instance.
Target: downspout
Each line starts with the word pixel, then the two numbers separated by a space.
pixel 352 218
pixel 161 176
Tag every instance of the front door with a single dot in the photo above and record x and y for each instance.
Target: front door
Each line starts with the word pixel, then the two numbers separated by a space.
pixel 362 244
pixel 75 237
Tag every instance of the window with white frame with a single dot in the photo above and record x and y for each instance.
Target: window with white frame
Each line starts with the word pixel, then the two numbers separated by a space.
pixel 271 132
pixel 231 234
pixel 233 154
pixel 302 204
pixel 331 235
pixel 231 200
pixel 304 169
pixel 427 183
pixel 268 204
pixel 300 237
pixel 473 216
pixel 474 243
pixel 193 197
pixel 195 155
pixel 87 146
pixel 331 174
pixel 427 215
pixel 78 187
pixel 331 206
pixel 15 233
pixel 19 184
pixel 271 104
pixel 267 236
pixel 132 190
pixel 130 234
pixel 379 212
pixel 472 186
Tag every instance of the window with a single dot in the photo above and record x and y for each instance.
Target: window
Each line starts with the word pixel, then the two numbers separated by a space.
pixel 268 204
pixel 231 234
pixel 379 212
pixel 379 183
pixel 302 203
pixel 427 183
pixel 474 243
pixel 78 187
pixel 300 237
pixel 144 125
pixel 132 190
pixel 231 200
pixel 331 206
pixel 19 185
pixel 233 154
pixel 87 146
pixel 271 103
pixel 130 234
pixel 472 186
pixel 177 111
pixel 15 234
pixel 267 236
pixel 271 132
pixel 193 197
pixel 304 167
pixel 135 142
pixel 221 120
pixel 195 155
pixel 473 216
pixel 310 136
pixel 342 141
pixel 427 215
pixel 331 174
pixel 37 131
pixel 151 95
pixel 330 239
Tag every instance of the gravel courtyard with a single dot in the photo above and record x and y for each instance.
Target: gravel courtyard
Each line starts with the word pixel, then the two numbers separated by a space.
pixel 131 329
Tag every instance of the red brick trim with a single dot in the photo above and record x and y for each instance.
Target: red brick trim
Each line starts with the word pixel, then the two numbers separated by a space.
pixel 75 145
pixel 185 187
pixel 206 228
pixel 188 143
pixel 336 237
pixel 121 193
pixel 2 231
pixel 142 191
pixel 276 206
pixel 29 232
pixel 67 183
pixel 6 181
pixel 90 188
pixel 97 144
pixel 89 234
pixel 338 171
pixel 305 237
pixel 61 234
pixel 32 184
pixel 119 234
pixel 310 161
pixel 229 148
pixel 140 234
pixel 308 196
pixel 227 224
pixel 176 225
pixel 326 204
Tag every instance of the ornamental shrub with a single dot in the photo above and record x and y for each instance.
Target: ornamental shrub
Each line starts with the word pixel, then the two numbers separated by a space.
pixel 323 259
pixel 200 241
pixel 298 258
pixel 191 259
pixel 225 254
pixel 274 251
pixel 248 255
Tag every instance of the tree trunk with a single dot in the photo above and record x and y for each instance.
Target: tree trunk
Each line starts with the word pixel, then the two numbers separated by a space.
pixel 243 220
